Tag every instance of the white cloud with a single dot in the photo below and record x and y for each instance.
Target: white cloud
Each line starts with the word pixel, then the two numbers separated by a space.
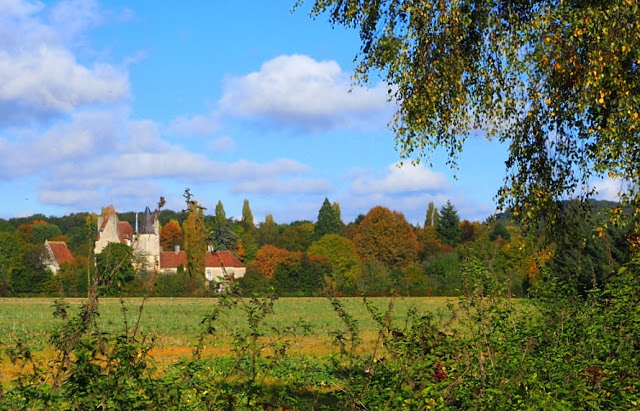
pixel 608 189
pixel 46 81
pixel 401 179
pixel 39 75
pixel 407 189
pixel 18 8
pixel 244 169
pixel 222 144
pixel 73 17
pixel 82 138
pixel 193 126
pixel 274 186
pixel 70 197
pixel 299 92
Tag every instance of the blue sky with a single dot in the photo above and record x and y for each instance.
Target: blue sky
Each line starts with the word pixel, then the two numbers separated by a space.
pixel 123 102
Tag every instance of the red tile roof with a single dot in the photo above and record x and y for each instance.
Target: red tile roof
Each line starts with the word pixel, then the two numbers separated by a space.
pixel 220 258
pixel 171 259
pixel 60 252
pixel 125 231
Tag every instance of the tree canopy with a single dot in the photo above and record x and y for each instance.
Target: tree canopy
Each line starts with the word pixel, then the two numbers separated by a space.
pixel 195 238
pixel 247 216
pixel 386 236
pixel 558 81
pixel 328 220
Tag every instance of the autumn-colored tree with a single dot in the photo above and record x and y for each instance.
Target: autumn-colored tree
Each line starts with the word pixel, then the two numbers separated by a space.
pixel 430 245
pixel 63 238
pixel 171 235
pixel 469 230
pixel 296 237
pixel 195 238
pixel 269 257
pixel 386 236
pixel 25 233
pixel 336 208
pixel 341 253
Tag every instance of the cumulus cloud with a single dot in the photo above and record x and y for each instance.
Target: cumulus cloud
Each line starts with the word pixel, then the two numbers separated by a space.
pixel 299 92
pixel 193 126
pixel 39 75
pixel 292 186
pixel 401 179
pixel 86 134
pixel 408 189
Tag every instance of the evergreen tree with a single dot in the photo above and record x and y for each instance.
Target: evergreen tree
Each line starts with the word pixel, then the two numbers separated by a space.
pixel 499 231
pixel 328 221
pixel 448 228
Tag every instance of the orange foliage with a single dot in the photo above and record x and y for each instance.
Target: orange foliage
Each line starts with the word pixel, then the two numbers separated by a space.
pixel 386 236
pixel 533 270
pixel 270 257
pixel 170 236
pixel 61 237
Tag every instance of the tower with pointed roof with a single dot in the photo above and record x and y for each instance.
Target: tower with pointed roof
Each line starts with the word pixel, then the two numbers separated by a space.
pixel 146 242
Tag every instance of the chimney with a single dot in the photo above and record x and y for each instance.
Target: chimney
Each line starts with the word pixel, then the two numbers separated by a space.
pixel 177 248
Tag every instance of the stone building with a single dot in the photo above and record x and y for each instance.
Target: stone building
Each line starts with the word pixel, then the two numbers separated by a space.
pixel 57 254
pixel 221 266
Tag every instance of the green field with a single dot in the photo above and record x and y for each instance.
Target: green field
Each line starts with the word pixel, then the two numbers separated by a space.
pixel 175 323
pixel 178 320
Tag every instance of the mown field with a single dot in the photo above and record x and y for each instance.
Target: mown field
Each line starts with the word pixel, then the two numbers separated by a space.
pixel 176 323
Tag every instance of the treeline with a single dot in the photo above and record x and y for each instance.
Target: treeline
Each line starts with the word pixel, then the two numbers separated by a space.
pixel 377 254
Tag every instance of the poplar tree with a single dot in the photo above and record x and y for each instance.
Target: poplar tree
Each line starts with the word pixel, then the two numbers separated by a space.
pixel 247 217
pixel 431 219
pixel 220 218
pixel 195 238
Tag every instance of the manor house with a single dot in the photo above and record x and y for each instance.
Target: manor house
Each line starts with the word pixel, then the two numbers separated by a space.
pixel 221 266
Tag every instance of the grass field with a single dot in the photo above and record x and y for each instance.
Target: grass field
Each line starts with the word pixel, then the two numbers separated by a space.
pixel 175 323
